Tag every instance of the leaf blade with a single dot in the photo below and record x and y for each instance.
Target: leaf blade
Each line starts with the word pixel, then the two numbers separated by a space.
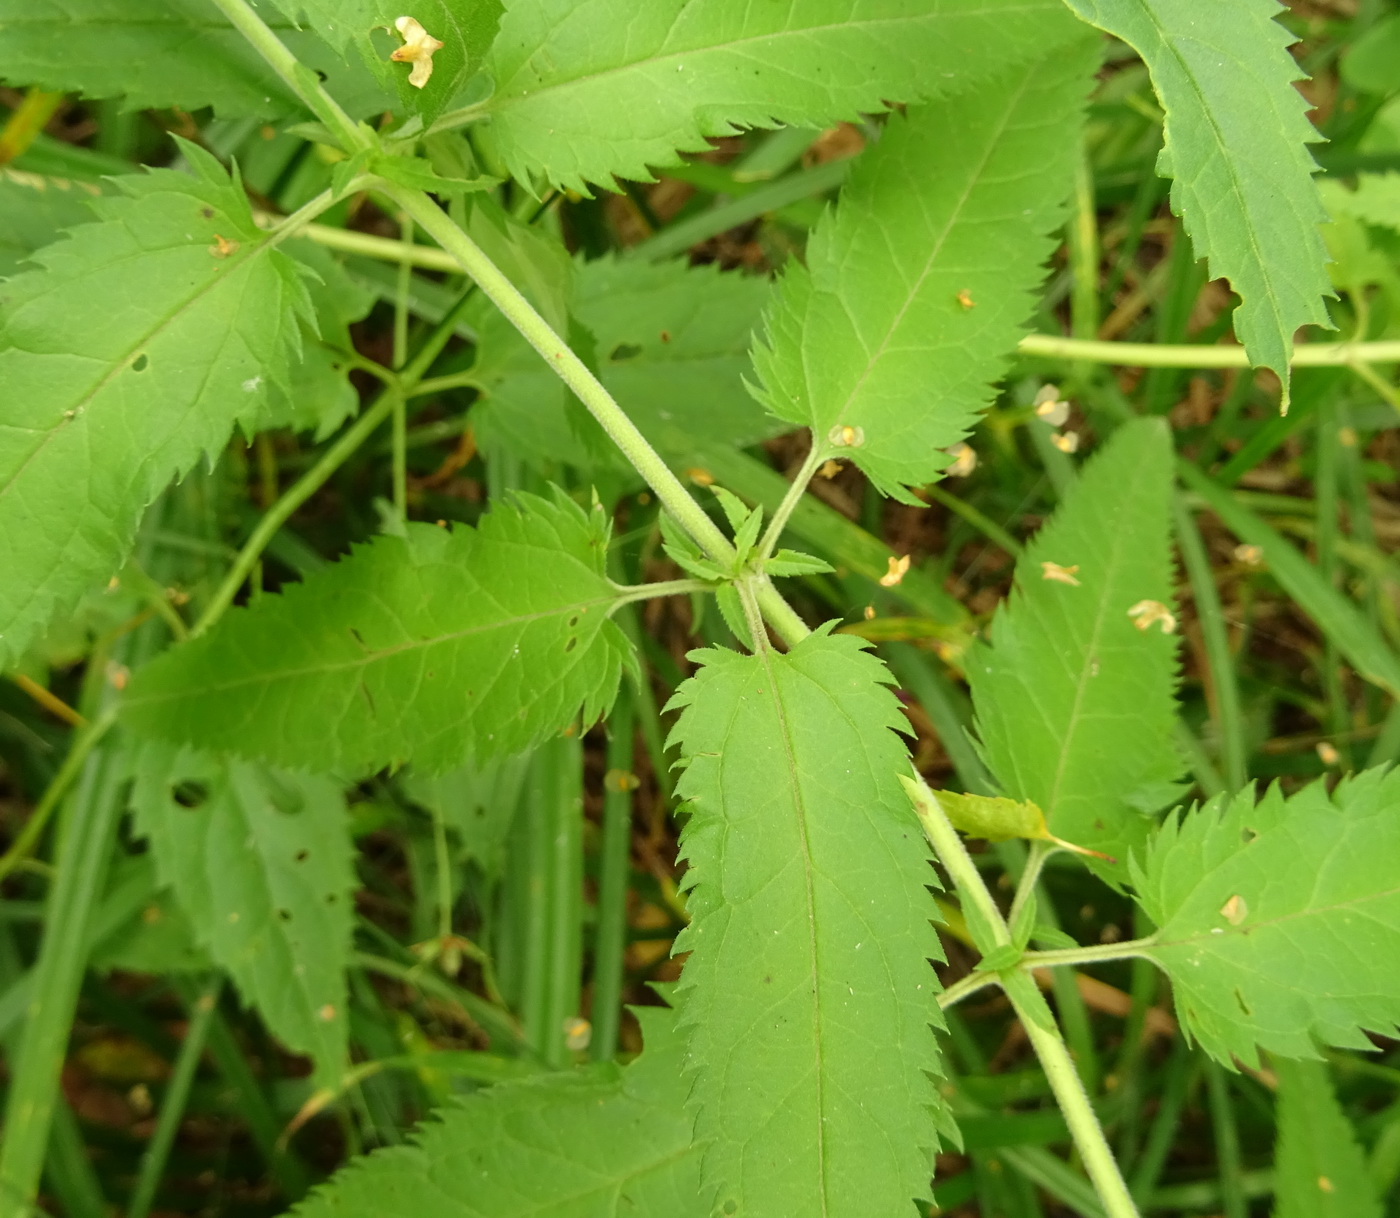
pixel 1236 150
pixel 890 377
pixel 565 1145
pixel 1278 921
pixel 260 862
pixel 431 648
pixel 1319 1169
pixel 166 53
pixel 809 1058
pixel 135 348
pixel 1074 704
pixel 594 90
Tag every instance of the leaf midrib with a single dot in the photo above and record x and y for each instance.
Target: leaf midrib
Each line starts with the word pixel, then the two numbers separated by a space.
pixel 507 97
pixel 954 217
pixel 370 657
pixel 765 655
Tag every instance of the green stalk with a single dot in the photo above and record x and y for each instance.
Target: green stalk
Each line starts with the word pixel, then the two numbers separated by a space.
pixel 1048 1043
pixel 572 370
pixel 614 857
pixel 1182 355
pixel 172 1107
pixel 301 79
pixel 790 499
pixel 23 845
pixel 1229 723
pixel 1131 949
pixel 292 498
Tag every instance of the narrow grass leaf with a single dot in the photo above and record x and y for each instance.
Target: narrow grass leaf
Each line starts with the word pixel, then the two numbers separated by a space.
pixel 432 648
pixel 1337 617
pixel 588 91
pixel 915 290
pixel 808 992
pixel 260 862
pixel 163 53
pixel 1279 922
pixel 600 1142
pixel 1074 697
pixel 1236 151
pixel 135 348
pixel 1319 1168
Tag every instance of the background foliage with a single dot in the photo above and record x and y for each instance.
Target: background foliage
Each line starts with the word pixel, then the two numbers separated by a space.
pixel 389 851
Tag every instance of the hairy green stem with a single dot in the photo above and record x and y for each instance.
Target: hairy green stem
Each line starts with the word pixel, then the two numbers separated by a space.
pixel 299 78
pixel 1181 355
pixel 1128 950
pixel 572 370
pixel 964 987
pixel 1025 888
pixel 632 593
pixel 790 500
pixel 1048 1043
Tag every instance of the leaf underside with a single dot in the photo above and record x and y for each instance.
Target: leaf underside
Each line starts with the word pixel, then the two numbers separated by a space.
pixel 138 345
pixel 1279 923
pixel 260 862
pixel 1319 1168
pixel 434 648
pixel 1236 150
pixel 1074 704
pixel 917 287
pixel 807 992
pixel 593 1143
pixel 163 53
pixel 593 90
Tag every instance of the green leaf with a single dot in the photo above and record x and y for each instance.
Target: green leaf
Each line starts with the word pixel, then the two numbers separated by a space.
pixel 320 396
pixel 917 287
pixel 260 862
pixel 157 938
pixel 590 90
pixel 1074 697
pixel 807 993
pixel 34 210
pixel 164 53
pixel 1319 1169
pixel 1376 199
pixel 600 1142
pixel 433 648
pixel 1279 923
pixel 672 343
pixel 139 344
pixel 1372 62
pixel 1236 151
pixel 793 562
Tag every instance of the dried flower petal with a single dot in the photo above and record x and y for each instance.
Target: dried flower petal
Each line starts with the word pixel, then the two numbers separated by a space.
pixel 1144 613
pixel 898 566
pixel 1057 574
pixel 418 49
pixel 964 461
